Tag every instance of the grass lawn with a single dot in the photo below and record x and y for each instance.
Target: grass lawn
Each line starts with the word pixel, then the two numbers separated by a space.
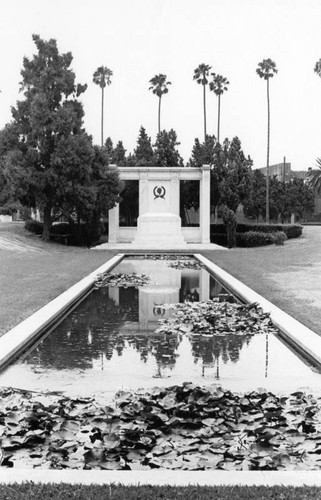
pixel 34 272
pixel 31 491
pixel 289 276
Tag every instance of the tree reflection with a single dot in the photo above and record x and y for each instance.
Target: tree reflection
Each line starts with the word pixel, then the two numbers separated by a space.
pixel 102 327
pixel 211 348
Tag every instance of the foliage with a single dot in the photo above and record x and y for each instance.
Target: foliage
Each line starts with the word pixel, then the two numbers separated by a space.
pixel 219 84
pixel 216 318
pixel 314 177
pixel 183 427
pixel 285 198
pixel 159 85
pixel 254 239
pixel 280 238
pixel 231 176
pixel 230 221
pixel 143 153
pixel 119 154
pixel 102 76
pixel 51 162
pixel 34 226
pixel 166 153
pixel 185 264
pixel 291 230
pixel 121 280
pixel 266 69
pixel 203 153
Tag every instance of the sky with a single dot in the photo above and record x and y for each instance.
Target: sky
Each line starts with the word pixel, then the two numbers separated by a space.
pixel 138 39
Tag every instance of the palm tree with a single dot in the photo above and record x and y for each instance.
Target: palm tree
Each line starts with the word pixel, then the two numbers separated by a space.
pixel 266 69
pixel 317 67
pixel 218 85
pixel 102 78
pixel 159 87
pixel 314 177
pixel 200 75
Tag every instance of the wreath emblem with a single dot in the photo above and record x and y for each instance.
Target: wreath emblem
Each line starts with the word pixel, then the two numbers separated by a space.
pixel 159 192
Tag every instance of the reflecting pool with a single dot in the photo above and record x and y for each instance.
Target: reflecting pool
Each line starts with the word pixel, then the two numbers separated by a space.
pixel 109 342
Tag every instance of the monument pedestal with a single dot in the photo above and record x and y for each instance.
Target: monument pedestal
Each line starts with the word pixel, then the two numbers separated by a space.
pixel 159 228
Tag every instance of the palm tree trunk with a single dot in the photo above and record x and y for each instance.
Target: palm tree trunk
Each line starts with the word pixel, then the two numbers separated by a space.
pixel 102 116
pixel 219 117
pixel 159 111
pixel 204 104
pixel 267 208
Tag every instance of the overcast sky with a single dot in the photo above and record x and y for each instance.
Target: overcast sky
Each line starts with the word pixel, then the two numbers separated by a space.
pixel 137 39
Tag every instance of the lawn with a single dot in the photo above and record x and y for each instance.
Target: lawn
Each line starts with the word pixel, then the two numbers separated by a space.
pixel 34 272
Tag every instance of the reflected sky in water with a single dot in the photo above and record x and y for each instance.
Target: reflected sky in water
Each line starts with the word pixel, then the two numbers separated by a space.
pixel 108 342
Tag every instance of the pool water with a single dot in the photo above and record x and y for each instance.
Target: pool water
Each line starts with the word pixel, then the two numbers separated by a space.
pixel 109 342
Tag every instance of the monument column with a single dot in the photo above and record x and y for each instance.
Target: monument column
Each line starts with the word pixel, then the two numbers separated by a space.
pixel 205 208
pixel 113 224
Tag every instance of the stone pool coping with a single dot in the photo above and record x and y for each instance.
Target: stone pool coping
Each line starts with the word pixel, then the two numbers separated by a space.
pixel 304 340
pixel 26 331
pixel 164 477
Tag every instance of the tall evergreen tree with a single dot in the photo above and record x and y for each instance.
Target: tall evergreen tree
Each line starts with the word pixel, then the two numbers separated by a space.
pixel 144 151
pixel 119 154
pixel 166 153
pixel 50 163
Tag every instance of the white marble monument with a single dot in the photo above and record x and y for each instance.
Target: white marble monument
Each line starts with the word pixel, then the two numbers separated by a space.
pixel 159 223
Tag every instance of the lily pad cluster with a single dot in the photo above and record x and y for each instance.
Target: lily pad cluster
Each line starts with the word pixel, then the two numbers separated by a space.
pixel 185 264
pixel 212 317
pixel 165 256
pixel 183 427
pixel 122 280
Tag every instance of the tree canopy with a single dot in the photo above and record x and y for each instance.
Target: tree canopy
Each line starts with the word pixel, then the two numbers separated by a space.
pixel 50 159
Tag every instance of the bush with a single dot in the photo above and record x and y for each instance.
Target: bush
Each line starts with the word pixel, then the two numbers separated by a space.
pixel 34 226
pixel 84 234
pixel 291 230
pixel 219 239
pixel 254 239
pixel 279 238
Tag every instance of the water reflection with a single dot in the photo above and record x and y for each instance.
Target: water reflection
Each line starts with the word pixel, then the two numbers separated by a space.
pixel 112 319
pixel 114 327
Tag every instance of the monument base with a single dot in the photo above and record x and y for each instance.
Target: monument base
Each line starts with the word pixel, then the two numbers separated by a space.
pixel 159 228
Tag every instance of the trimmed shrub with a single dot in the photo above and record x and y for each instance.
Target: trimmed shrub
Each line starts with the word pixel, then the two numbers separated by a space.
pixel 34 226
pixel 291 230
pixel 61 228
pixel 219 239
pixel 279 238
pixel 254 239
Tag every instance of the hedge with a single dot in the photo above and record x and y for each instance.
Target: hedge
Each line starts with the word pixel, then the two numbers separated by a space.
pixel 78 235
pixel 291 230
pixel 254 239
